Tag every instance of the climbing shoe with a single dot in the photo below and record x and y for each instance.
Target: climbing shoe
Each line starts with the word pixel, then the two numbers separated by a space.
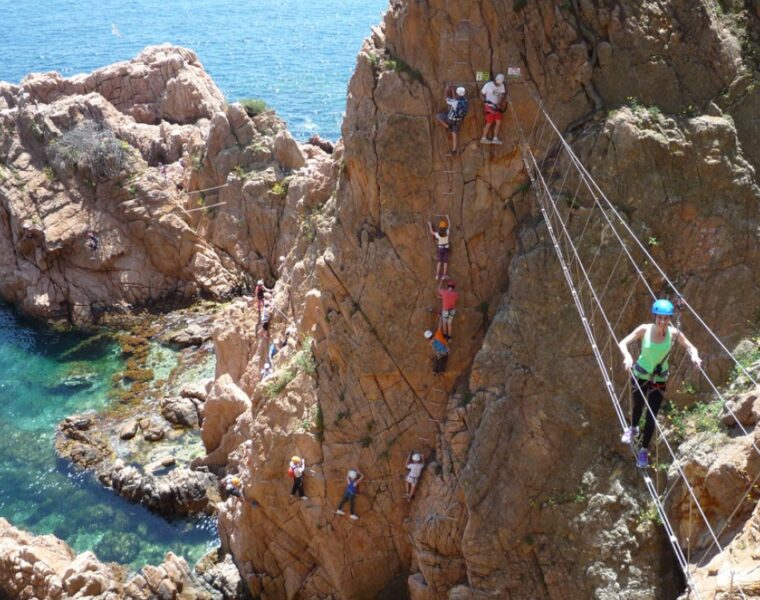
pixel 339 512
pixel 354 517
pixel 642 459
pixel 496 141
pixel 485 140
pixel 304 497
pixel 629 434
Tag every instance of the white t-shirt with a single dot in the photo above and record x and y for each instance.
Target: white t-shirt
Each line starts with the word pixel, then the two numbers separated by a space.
pixel 298 468
pixel 494 92
pixel 415 469
pixel 443 240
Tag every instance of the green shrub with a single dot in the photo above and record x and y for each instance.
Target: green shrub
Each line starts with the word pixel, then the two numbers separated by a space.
pixel 303 360
pixel 401 67
pixel 254 106
pixel 91 149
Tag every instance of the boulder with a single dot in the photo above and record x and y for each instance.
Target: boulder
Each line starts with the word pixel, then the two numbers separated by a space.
pixel 180 412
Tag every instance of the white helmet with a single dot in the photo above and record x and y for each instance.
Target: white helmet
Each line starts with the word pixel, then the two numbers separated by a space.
pixel 428 334
pixel 260 282
pixel 461 91
pixel 352 474
pixel 416 457
pixel 500 78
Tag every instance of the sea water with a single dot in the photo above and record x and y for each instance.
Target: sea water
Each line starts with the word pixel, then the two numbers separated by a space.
pixel 46 376
pixel 297 55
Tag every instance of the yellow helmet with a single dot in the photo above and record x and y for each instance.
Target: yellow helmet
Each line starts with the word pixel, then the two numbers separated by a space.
pixel 235 481
pixel 443 223
pixel 295 459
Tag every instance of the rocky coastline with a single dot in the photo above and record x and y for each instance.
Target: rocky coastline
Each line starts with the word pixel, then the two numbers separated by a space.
pixel 526 492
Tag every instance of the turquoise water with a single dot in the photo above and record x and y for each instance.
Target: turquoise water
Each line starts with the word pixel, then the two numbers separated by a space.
pixel 296 54
pixel 44 377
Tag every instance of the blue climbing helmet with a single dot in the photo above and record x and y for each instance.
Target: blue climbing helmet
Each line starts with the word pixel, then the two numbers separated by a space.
pixel 662 307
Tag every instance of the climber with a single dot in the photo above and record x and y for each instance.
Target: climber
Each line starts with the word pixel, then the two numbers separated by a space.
pixel 273 350
pixel 260 292
pixel 649 374
pixel 414 466
pixel 452 118
pixel 352 488
pixel 440 349
pixel 449 297
pixel 296 470
pixel 92 241
pixel 494 95
pixel 442 253
pixel 266 317
pixel 232 486
pixel 266 371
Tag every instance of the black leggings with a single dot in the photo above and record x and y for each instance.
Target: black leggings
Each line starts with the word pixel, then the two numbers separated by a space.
pixel 297 486
pixel 655 395
pixel 350 498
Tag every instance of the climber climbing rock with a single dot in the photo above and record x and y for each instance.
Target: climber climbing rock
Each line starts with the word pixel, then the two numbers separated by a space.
pixel 266 318
pixel 260 292
pixel 494 95
pixel 295 471
pixel 231 486
pixel 442 251
pixel 649 374
pixel 449 297
pixel 92 241
pixel 452 118
pixel 352 488
pixel 266 371
pixel 440 349
pixel 414 466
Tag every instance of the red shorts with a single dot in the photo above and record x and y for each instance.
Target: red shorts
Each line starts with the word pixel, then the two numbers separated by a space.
pixel 492 116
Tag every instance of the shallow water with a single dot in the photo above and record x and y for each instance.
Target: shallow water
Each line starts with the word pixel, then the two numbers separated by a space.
pixel 296 55
pixel 44 377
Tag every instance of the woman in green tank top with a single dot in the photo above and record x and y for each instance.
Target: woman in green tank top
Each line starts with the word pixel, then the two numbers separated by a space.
pixel 650 372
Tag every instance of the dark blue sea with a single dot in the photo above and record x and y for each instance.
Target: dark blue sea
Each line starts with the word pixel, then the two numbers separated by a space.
pixel 297 55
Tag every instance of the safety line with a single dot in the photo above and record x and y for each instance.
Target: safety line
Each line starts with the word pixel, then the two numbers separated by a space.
pixel 589 180
pixel 576 299
pixel 643 248
pixel 680 557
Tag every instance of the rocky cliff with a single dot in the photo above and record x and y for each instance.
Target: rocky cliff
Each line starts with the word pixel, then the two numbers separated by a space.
pixel 527 493
pixel 105 184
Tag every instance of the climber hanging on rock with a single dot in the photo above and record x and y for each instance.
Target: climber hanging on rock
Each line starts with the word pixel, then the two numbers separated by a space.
pixel 440 349
pixel 452 118
pixel 414 466
pixel 649 374
pixel 494 95
pixel 449 298
pixel 260 293
pixel 92 241
pixel 442 247
pixel 266 317
pixel 296 470
pixel 232 485
pixel 352 488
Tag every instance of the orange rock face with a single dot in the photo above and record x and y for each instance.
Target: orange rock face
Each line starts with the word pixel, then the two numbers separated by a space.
pixel 526 491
